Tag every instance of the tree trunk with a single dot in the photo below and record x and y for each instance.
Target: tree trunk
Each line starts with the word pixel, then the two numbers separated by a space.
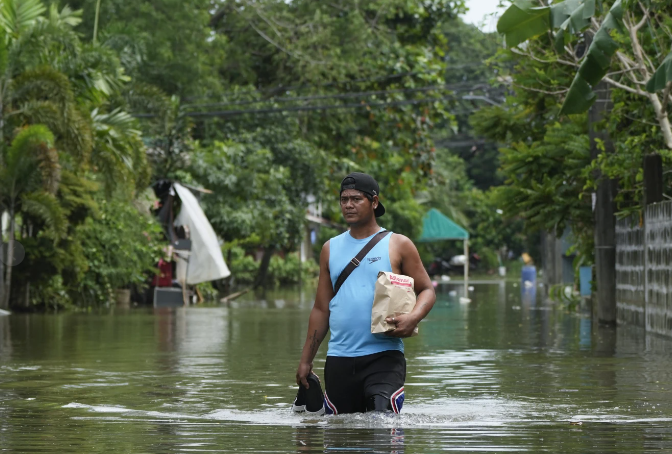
pixel 10 259
pixel 658 107
pixel 228 280
pixel 26 302
pixel 262 274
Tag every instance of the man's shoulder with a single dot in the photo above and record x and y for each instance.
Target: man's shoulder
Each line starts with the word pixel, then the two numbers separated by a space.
pixel 402 245
pixel 401 240
pixel 327 244
pixel 339 237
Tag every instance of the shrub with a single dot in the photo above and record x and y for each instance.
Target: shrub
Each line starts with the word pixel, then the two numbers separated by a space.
pixel 243 267
pixel 489 259
pixel 122 248
pixel 281 271
pixel 290 270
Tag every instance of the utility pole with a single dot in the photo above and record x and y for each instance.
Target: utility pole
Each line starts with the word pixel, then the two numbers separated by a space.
pixel 653 179
pixel 653 193
pixel 605 220
pixel 2 259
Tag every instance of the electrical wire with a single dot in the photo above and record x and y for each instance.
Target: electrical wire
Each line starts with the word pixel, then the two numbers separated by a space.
pixel 456 88
pixel 342 82
pixel 272 110
pixel 470 86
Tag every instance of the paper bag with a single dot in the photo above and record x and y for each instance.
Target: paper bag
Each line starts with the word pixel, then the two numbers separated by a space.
pixel 394 295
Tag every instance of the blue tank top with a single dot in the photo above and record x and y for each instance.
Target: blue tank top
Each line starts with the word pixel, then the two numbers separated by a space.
pixel 350 309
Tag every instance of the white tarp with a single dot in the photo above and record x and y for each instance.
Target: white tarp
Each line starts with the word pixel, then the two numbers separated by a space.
pixel 206 262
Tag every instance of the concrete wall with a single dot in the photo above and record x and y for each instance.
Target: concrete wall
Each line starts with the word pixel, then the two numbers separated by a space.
pixel 644 281
pixel 630 271
pixel 658 241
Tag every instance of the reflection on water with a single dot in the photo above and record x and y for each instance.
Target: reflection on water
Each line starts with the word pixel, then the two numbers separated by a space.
pixel 505 372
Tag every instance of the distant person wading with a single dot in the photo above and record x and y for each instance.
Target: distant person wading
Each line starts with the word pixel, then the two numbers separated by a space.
pixel 364 371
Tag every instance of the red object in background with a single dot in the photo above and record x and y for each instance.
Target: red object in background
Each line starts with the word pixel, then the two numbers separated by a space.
pixel 165 276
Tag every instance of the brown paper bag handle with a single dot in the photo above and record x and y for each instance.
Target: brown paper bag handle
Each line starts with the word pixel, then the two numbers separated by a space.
pixel 354 263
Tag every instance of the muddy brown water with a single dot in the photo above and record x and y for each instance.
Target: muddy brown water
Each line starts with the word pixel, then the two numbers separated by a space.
pixel 498 374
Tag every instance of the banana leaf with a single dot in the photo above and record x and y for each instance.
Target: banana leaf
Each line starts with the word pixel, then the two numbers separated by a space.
pixel 595 64
pixel 523 20
pixel 662 76
pixel 570 16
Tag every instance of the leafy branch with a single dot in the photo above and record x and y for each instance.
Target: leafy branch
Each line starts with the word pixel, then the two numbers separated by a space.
pixel 576 20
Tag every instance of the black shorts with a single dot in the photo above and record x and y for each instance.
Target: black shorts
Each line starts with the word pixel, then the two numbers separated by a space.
pixel 365 383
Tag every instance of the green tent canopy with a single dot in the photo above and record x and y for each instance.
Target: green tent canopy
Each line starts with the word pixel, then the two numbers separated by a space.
pixel 437 227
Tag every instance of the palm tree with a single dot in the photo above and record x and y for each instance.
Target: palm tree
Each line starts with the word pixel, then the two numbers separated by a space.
pixel 37 112
pixel 118 152
pixel 53 101
pixel 28 182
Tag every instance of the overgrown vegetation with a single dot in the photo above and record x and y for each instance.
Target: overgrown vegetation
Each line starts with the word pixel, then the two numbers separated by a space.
pixel 268 104
pixel 558 53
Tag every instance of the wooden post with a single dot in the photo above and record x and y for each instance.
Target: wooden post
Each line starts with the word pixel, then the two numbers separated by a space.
pixel 551 260
pixel 10 260
pixel 605 220
pixel 185 298
pixel 466 268
pixel 465 298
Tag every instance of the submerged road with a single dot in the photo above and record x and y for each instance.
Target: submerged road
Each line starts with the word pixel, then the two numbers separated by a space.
pixel 498 374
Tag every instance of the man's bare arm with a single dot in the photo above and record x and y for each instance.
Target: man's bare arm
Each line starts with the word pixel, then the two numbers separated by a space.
pixel 318 324
pixel 411 265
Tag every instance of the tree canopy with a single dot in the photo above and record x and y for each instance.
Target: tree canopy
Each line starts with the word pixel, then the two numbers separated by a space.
pixel 268 104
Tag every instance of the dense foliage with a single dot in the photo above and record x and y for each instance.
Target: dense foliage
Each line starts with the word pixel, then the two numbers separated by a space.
pixel 556 56
pixel 64 137
pixel 267 104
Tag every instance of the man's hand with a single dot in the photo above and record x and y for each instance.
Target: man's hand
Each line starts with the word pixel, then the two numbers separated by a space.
pixel 405 324
pixel 302 374
pixel 405 259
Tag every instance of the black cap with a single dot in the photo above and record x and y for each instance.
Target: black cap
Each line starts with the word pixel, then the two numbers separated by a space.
pixel 366 184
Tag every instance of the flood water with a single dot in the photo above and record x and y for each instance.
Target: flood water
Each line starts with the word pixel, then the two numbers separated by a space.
pixel 498 374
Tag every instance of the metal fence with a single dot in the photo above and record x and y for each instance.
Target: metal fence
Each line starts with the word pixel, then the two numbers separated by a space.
pixel 644 270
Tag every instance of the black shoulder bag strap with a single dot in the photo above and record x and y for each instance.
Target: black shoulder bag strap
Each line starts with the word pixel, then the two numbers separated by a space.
pixel 354 263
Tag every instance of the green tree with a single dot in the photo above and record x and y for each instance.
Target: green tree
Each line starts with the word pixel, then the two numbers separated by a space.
pixel 62 128
pixel 447 187
pixel 330 51
pixel 121 246
pixel 547 183
pixel 28 181
pixel 169 46
pixel 365 85
pixel 261 184
pixel 467 57
pixel 29 127
pixel 633 34
pixel 545 159
pixel 570 46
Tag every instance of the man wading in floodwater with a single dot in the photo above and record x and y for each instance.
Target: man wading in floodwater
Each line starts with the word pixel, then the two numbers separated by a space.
pixel 364 371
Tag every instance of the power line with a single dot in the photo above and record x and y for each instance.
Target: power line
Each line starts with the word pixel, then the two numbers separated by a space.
pixel 272 110
pixel 342 82
pixel 470 86
pixel 299 112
